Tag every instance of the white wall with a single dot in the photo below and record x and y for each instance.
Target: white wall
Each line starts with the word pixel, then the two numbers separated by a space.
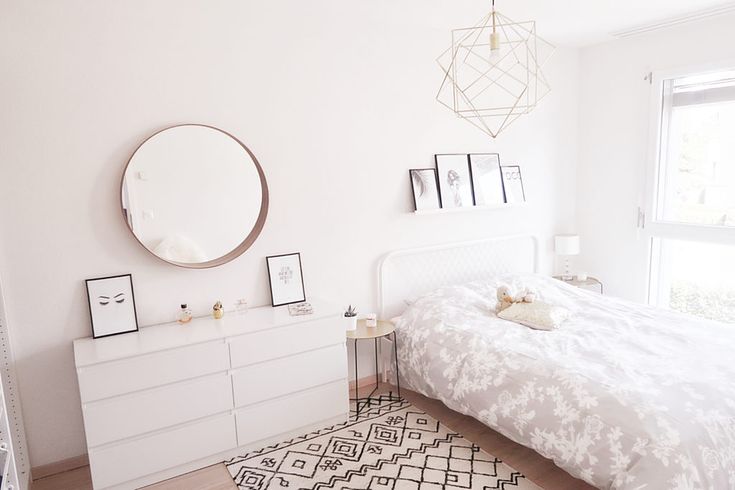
pixel 614 120
pixel 334 98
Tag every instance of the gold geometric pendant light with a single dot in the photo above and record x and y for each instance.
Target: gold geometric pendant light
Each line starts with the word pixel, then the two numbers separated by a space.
pixel 493 72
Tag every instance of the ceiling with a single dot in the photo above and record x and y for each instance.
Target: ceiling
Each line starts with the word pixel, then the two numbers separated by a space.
pixel 578 22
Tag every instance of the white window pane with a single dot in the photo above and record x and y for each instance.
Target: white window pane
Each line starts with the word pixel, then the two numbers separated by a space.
pixel 696 278
pixel 698 157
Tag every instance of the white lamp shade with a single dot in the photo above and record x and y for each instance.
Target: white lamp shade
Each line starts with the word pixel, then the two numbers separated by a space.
pixel 566 244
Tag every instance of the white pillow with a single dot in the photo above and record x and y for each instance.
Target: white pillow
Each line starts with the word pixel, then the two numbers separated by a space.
pixel 537 315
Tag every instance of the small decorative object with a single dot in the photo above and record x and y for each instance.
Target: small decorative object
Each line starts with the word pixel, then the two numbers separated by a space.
pixel 493 72
pixel 184 315
pixel 371 320
pixel 582 276
pixel 566 246
pixel 218 311
pixel 112 305
pixel 425 187
pixel 298 309
pixel 506 299
pixel 513 184
pixel 286 279
pixel 241 306
pixel 455 182
pixel 350 318
pixel 487 181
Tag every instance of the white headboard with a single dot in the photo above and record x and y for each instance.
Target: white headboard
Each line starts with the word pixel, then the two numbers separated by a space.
pixel 406 274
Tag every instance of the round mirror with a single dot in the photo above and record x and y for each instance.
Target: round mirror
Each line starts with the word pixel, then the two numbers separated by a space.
pixel 194 196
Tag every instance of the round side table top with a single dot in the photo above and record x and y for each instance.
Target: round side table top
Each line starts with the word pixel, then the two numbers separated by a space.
pixel 364 332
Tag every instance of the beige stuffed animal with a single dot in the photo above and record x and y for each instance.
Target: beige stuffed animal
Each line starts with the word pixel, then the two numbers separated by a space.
pixel 506 299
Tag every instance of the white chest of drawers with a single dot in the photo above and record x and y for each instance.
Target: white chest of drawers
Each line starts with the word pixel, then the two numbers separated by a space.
pixel 173 398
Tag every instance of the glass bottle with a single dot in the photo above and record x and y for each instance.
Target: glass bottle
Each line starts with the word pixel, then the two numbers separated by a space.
pixel 184 315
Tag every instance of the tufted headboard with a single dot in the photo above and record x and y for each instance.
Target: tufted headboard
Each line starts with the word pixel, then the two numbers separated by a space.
pixel 406 274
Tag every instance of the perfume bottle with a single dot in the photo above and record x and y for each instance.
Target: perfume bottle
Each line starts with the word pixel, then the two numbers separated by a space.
pixel 241 306
pixel 184 315
pixel 218 310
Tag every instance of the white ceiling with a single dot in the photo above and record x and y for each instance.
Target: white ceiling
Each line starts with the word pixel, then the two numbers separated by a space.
pixel 575 22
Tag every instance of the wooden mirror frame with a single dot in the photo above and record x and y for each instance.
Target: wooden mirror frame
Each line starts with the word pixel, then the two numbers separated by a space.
pixel 249 239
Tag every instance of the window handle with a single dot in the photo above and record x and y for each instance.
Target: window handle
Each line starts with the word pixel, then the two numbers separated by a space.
pixel 641 219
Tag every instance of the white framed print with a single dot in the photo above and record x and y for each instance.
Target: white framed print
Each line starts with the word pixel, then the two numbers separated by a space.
pixel 286 279
pixel 425 188
pixel 513 184
pixel 112 305
pixel 455 181
pixel 487 181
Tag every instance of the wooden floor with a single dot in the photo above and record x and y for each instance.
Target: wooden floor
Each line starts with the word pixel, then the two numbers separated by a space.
pixel 536 468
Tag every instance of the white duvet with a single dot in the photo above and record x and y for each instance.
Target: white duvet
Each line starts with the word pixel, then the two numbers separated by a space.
pixel 622 395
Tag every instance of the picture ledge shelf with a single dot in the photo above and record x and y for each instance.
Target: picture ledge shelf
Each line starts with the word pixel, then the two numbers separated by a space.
pixel 471 208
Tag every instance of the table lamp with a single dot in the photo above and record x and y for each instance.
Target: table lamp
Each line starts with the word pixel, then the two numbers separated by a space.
pixel 566 246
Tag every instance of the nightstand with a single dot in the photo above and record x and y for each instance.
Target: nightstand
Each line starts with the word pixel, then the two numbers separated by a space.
pixel 590 284
pixel 363 332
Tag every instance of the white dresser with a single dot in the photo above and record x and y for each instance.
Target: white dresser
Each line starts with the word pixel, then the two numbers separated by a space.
pixel 173 398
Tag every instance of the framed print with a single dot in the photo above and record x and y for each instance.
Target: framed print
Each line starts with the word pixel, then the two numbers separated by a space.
pixel 286 279
pixel 425 187
pixel 455 182
pixel 487 182
pixel 513 184
pixel 112 305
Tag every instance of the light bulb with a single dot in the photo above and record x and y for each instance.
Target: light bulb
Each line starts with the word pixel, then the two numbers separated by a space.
pixel 494 46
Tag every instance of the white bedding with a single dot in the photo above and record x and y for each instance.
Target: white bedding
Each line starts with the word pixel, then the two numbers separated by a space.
pixel 622 395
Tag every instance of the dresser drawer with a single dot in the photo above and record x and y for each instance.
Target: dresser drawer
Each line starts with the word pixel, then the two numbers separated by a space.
pixel 146 411
pixel 149 370
pixel 271 379
pixel 284 341
pixel 133 459
pixel 287 414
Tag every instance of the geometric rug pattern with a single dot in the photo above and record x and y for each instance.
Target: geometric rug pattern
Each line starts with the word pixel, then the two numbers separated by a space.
pixel 390 446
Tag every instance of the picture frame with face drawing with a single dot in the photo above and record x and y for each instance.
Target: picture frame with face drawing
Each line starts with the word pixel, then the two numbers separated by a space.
pixel 455 180
pixel 112 305
pixel 286 279
pixel 513 184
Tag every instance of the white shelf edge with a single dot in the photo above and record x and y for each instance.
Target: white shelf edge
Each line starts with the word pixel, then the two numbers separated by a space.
pixel 472 208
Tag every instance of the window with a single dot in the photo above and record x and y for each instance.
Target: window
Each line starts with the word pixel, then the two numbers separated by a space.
pixel 692 201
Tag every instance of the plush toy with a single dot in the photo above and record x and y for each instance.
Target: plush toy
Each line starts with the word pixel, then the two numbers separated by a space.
pixel 506 299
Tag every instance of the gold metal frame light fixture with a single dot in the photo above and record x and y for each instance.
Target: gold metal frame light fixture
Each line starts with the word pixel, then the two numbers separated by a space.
pixel 493 72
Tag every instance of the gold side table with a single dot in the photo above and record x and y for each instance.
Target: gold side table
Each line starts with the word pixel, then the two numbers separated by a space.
pixel 384 329
pixel 590 284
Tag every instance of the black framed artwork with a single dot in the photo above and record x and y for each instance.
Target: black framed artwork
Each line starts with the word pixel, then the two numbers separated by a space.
pixel 487 180
pixel 112 305
pixel 286 279
pixel 455 180
pixel 513 184
pixel 425 187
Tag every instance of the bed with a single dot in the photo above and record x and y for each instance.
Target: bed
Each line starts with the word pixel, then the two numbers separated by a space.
pixel 623 396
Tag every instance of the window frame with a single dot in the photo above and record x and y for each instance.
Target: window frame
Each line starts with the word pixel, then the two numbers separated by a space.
pixel 654 229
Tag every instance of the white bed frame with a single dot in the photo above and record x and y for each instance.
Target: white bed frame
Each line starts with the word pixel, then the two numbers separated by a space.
pixel 407 274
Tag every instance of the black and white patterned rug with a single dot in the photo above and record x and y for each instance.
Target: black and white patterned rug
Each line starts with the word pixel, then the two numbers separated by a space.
pixel 392 446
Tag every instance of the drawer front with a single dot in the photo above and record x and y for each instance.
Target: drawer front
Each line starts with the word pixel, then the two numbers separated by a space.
pixel 287 414
pixel 119 463
pixel 146 411
pixel 259 382
pixel 285 341
pixel 139 373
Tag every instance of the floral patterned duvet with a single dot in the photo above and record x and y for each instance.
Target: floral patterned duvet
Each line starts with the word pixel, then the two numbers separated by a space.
pixel 622 395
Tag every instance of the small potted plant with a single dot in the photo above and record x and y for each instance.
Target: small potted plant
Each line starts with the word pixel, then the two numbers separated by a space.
pixel 350 318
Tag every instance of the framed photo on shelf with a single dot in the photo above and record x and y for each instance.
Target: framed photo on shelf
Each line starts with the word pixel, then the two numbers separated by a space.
pixel 286 279
pixel 513 184
pixel 455 181
pixel 425 187
pixel 112 305
pixel 487 181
